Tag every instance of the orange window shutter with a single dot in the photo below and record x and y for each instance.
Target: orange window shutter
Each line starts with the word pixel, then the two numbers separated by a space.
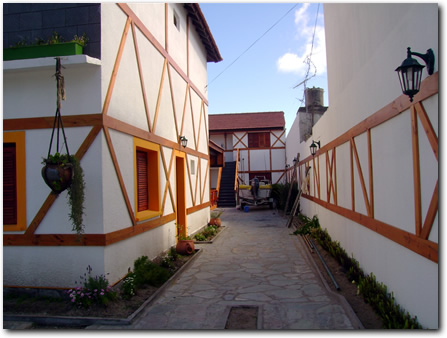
pixel 142 181
pixel 9 184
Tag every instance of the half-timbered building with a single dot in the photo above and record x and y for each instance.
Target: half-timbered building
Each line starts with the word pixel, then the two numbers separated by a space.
pixel 137 91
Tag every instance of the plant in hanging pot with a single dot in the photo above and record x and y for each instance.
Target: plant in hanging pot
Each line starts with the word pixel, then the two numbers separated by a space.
pixel 185 245
pixel 215 218
pixel 64 172
pixel 57 172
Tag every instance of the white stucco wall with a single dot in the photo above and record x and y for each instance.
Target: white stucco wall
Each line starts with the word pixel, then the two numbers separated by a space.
pixel 362 56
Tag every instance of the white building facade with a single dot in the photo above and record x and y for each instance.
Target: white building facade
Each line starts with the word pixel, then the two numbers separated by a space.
pixel 146 90
pixel 374 182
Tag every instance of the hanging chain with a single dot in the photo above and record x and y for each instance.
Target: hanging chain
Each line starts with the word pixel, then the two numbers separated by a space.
pixel 58 118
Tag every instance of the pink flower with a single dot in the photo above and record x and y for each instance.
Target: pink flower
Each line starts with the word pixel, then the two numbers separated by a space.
pixel 102 293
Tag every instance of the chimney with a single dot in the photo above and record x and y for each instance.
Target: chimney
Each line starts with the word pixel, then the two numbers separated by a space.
pixel 310 115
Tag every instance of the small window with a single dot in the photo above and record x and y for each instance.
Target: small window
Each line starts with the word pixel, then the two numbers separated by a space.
pixel 14 181
pixel 193 167
pixel 147 180
pixel 176 20
pixel 259 140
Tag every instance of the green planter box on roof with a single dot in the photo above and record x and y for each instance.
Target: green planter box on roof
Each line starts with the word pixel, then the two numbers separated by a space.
pixel 40 51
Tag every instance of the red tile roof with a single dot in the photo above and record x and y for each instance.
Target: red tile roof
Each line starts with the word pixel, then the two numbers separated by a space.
pixel 246 121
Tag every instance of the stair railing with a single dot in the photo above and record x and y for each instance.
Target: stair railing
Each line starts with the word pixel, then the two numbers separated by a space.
pixel 237 170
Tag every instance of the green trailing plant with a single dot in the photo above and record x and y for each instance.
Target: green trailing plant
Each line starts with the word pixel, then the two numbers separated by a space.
pixel 76 190
pixel 76 196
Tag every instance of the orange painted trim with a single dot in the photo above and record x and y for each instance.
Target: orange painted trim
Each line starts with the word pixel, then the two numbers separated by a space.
pixel 126 9
pixel 362 180
pixel 116 67
pixel 140 74
pixel 46 122
pixel 115 124
pixel 416 171
pixel 428 128
pixel 19 138
pixel 119 175
pixel 52 196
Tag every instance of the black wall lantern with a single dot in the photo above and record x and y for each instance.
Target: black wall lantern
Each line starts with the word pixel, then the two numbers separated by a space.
pixel 183 141
pixel 313 147
pixel 410 71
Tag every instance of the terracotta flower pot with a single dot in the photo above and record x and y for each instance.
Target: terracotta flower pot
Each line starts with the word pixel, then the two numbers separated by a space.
pixel 215 221
pixel 58 176
pixel 185 247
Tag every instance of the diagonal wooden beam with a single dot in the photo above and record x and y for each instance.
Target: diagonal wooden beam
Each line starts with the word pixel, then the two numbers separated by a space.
pixel 160 93
pixel 52 196
pixel 362 181
pixel 204 181
pixel 416 171
pixel 105 107
pixel 431 214
pixel 429 131
pixel 119 175
pixel 140 73
pixel 168 184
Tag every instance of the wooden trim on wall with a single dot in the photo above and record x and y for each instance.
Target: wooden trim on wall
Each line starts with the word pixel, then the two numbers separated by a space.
pixel 140 74
pixel 126 9
pixel 119 175
pixel 417 242
pixel 52 196
pixel 423 247
pixel 46 122
pixel 116 67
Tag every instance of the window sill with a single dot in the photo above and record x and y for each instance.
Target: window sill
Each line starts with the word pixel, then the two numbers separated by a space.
pixel 145 215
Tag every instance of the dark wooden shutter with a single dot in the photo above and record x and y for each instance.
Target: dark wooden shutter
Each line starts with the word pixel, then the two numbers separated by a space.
pixel 9 184
pixel 142 181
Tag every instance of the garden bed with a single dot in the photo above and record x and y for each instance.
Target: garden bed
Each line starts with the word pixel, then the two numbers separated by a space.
pixel 19 306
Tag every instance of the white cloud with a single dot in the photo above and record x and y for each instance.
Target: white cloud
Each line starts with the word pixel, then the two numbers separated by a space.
pixel 296 62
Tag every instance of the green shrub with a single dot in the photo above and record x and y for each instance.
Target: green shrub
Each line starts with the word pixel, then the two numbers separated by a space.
pixel 148 273
pixel 373 292
pixel 128 287
pixel 308 225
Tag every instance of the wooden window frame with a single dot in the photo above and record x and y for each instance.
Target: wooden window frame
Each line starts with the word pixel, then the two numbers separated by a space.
pixel 153 156
pixel 19 139
pixel 262 140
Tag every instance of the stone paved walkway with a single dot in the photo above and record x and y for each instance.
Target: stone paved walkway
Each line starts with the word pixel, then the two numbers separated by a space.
pixel 254 262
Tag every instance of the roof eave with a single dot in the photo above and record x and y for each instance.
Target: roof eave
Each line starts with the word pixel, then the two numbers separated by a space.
pixel 202 28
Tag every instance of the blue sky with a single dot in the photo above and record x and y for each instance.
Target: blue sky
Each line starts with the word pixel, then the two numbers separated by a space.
pixel 263 78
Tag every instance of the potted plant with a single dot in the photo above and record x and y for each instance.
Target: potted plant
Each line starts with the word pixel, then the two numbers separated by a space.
pixel 185 244
pixel 57 172
pixel 54 46
pixel 63 172
pixel 215 218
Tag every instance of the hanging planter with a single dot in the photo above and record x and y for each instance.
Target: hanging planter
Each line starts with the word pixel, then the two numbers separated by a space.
pixel 57 172
pixel 63 171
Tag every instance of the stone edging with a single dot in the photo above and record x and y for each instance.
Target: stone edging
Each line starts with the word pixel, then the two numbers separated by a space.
pixel 87 321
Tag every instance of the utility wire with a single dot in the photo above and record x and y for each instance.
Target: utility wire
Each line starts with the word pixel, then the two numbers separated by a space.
pixel 245 51
pixel 309 59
